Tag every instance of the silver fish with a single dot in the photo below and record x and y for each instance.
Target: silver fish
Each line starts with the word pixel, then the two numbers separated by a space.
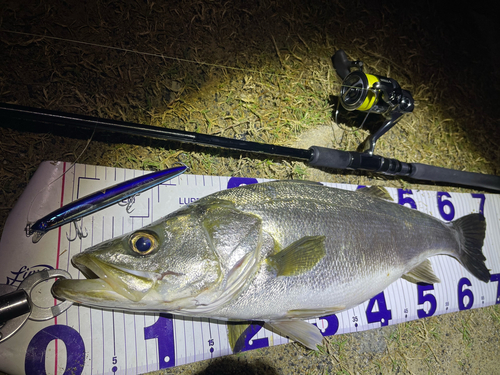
pixel 276 252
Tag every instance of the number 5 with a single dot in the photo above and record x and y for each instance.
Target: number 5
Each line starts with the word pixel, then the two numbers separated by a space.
pixel 423 298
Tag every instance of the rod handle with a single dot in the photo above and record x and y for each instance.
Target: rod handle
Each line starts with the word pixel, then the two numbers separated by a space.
pixel 329 158
pixel 426 172
pixel 337 159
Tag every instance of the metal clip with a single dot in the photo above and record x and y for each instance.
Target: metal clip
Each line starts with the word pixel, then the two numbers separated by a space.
pixel 16 305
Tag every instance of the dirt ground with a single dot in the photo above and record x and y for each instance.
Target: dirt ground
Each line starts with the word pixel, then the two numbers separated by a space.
pixel 261 71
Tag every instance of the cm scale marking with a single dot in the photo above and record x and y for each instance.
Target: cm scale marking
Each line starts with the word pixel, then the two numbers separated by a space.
pixel 102 341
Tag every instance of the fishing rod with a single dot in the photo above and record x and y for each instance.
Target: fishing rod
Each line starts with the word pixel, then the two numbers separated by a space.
pixel 320 157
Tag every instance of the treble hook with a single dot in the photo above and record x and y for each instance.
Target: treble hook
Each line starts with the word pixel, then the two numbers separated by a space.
pixel 78 231
pixel 129 202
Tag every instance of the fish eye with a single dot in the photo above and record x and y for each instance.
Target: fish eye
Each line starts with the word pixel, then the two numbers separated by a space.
pixel 143 242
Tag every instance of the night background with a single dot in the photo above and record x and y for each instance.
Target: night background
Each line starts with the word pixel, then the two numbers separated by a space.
pixel 261 71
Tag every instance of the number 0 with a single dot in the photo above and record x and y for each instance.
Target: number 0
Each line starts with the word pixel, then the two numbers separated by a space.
pixel 34 362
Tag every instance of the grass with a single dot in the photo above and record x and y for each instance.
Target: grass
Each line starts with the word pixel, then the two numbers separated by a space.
pixel 280 92
pixel 465 330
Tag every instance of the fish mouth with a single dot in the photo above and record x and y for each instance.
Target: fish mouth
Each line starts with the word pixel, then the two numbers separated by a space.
pixel 104 282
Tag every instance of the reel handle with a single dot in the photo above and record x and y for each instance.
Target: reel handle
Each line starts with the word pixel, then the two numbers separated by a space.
pixel 407 103
pixel 343 65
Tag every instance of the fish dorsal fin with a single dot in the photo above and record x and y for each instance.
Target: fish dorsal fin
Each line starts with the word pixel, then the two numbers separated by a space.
pixel 422 273
pixel 307 334
pixel 313 313
pixel 376 191
pixel 307 182
pixel 299 257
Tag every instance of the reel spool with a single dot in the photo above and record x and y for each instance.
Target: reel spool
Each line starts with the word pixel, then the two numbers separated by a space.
pixel 371 94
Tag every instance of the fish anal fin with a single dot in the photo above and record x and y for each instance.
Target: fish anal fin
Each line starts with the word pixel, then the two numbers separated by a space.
pixel 422 273
pixel 307 334
pixel 313 313
pixel 376 191
pixel 299 257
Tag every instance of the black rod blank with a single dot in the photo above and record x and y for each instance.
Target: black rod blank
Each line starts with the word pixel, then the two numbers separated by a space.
pixel 314 156
pixel 60 118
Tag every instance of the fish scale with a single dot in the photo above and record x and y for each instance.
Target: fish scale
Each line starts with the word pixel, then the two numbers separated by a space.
pixel 276 252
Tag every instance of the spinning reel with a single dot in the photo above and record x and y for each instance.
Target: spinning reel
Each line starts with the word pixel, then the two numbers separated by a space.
pixel 371 94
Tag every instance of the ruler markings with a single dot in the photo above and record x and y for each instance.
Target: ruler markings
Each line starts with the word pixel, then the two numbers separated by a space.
pixel 401 297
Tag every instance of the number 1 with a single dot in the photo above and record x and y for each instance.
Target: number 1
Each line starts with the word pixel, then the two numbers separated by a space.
pixel 163 330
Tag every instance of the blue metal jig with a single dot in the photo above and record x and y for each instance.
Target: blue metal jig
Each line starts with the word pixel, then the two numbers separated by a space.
pixel 97 201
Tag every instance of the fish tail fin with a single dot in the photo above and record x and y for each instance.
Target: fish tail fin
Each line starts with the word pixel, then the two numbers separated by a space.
pixel 472 230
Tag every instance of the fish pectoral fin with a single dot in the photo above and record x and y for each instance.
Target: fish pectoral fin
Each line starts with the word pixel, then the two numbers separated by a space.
pixel 307 334
pixel 312 313
pixel 299 257
pixel 376 191
pixel 422 273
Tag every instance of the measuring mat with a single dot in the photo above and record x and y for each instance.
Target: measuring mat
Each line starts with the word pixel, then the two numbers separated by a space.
pixel 86 340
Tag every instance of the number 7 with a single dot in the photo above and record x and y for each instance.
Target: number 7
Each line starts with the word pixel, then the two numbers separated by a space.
pixel 481 204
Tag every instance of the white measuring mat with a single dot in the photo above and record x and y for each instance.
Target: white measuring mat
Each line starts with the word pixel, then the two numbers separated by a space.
pixel 93 341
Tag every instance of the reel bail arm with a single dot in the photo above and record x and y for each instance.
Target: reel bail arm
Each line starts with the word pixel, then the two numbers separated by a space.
pixel 368 145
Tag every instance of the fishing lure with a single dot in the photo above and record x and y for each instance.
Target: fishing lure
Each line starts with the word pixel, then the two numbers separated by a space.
pixel 99 200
